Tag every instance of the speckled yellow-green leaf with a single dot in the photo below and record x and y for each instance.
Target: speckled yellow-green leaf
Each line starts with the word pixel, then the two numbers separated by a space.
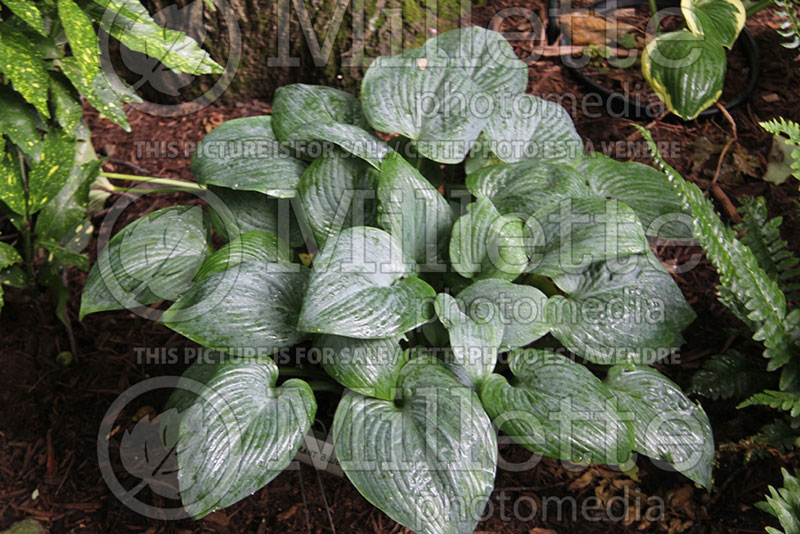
pixel 82 38
pixel 66 102
pixel 8 255
pixel 12 192
pixel 50 174
pixel 28 12
pixel 18 123
pixel 98 92
pixel 65 254
pixel 21 63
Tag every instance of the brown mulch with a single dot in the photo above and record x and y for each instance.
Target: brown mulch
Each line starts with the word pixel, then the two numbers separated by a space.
pixel 52 412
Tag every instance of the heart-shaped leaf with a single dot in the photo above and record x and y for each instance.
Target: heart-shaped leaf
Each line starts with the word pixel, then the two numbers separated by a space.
pixel 240 433
pixel 298 104
pixel 529 127
pixel 667 426
pixel 249 247
pixel 337 192
pixel 430 461
pixel 244 154
pixel 718 20
pixel 486 244
pixel 558 408
pixel 521 307
pixel 644 189
pixel 152 259
pixel 368 366
pixel 415 213
pixel 569 234
pixel 251 305
pixel 615 313
pixel 525 186
pixel 474 343
pixel 685 70
pixel 363 286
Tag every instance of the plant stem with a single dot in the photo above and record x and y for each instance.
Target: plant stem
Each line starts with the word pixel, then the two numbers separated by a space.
pixel 755 7
pixel 654 12
pixel 324 385
pixel 179 184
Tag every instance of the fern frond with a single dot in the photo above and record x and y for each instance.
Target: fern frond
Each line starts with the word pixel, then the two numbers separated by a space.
pixel 790 131
pixel 779 435
pixel 789 27
pixel 736 265
pixel 780 400
pixel 730 375
pixel 762 236
pixel 784 503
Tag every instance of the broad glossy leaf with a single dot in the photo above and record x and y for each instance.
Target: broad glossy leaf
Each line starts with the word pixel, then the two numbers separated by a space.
pixel 21 64
pixel 428 462
pixel 558 408
pixel 244 154
pixel 18 122
pixel 615 313
pixel 569 234
pixel 368 366
pixel 236 212
pixel 521 307
pixel 337 191
pixel 354 139
pixel 525 186
pixel 83 42
pixel 474 343
pixel 486 244
pixel 529 127
pixel 685 70
pixel 152 259
pixel 252 305
pixel 251 246
pixel 415 213
pixel 418 95
pixel 66 103
pixel 667 426
pixel 8 255
pixel 28 12
pixel 363 286
pixel 644 189
pixel 130 23
pixel 240 433
pixel 100 92
pixel 48 175
pixel 718 20
pixel 12 190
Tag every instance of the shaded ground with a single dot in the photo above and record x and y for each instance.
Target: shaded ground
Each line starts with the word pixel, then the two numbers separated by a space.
pixel 51 413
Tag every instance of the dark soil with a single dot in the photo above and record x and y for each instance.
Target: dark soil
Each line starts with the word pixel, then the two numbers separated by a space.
pixel 52 412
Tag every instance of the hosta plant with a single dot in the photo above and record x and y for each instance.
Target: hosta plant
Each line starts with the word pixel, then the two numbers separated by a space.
pixel 523 297
pixel 49 60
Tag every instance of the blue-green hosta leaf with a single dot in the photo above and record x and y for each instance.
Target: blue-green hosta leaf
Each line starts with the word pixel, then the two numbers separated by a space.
pixel 130 23
pixel 8 255
pixel 66 103
pixel 100 92
pixel 18 123
pixel 354 139
pixel 529 127
pixel 419 95
pixel 251 246
pixel 363 286
pixel 236 212
pixel 368 366
pixel 252 305
pixel 429 462
pixel 521 307
pixel 83 42
pixel 28 12
pixel 685 70
pixel 12 190
pixel 152 259
pixel 21 64
pixel 415 213
pixel 244 154
pixel 569 234
pixel 667 426
pixel 48 175
pixel 474 343
pixel 615 313
pixel 486 244
pixel 717 20
pixel 337 192
pixel 558 408
pixel 240 433
pixel 644 189
pixel 525 186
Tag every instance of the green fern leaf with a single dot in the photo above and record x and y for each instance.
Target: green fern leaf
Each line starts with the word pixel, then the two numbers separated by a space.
pixel 784 503
pixel 780 400
pixel 727 376
pixel 738 268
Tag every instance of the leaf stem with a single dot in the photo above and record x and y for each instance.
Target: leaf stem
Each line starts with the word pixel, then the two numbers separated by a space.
pixel 178 184
pixel 324 385
pixel 654 12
